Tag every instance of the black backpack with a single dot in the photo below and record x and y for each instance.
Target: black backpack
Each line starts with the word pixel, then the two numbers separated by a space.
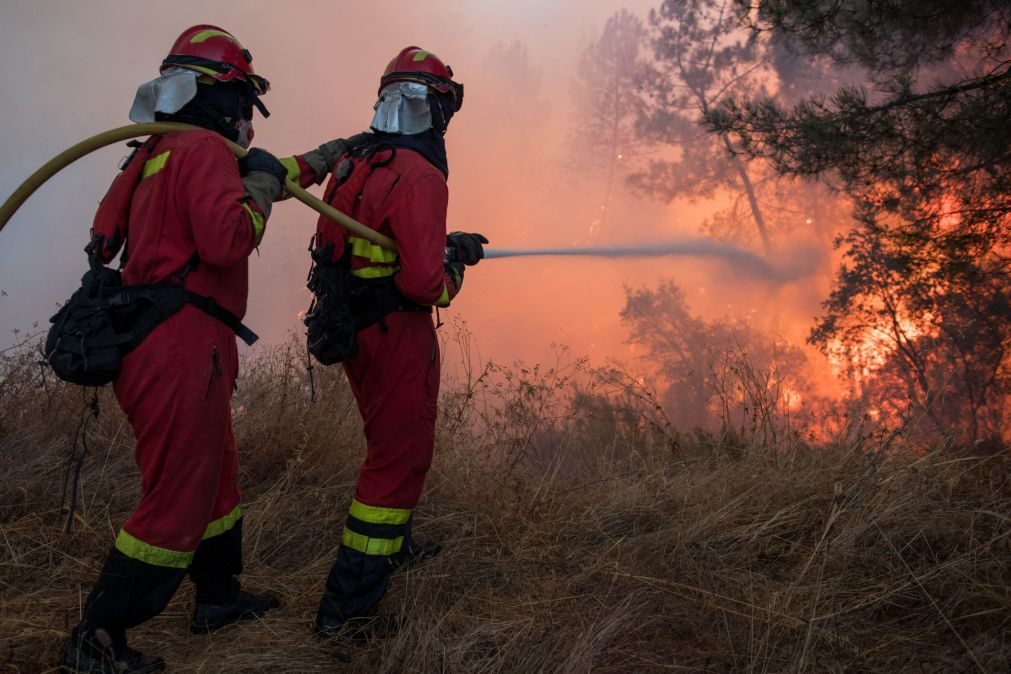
pixel 343 304
pixel 104 320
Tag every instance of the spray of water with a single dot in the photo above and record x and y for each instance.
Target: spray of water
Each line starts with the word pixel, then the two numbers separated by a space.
pixel 787 266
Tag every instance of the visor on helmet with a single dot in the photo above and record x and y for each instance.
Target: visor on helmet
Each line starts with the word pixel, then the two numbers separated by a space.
pixel 454 89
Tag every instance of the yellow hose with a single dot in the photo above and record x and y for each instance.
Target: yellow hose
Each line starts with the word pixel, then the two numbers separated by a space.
pixel 72 154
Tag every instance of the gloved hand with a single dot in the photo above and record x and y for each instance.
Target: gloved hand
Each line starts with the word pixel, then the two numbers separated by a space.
pixel 331 151
pixel 469 248
pixel 261 160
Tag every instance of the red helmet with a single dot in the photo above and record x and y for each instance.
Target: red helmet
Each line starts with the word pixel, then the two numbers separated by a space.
pixel 414 64
pixel 215 52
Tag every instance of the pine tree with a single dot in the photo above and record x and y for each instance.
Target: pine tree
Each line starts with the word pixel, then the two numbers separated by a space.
pixel 606 93
pixel 925 153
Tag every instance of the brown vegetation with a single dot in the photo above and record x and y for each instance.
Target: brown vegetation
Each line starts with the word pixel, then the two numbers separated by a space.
pixel 581 533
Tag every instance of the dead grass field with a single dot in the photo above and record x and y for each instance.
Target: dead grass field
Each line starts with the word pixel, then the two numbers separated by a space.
pixel 580 533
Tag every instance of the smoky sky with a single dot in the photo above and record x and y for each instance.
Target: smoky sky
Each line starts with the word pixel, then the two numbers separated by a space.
pixel 72 69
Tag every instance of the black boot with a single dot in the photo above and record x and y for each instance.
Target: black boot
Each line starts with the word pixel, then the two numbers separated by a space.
pixel 127 592
pixel 414 553
pixel 355 585
pixel 100 652
pixel 220 602
pixel 244 606
pixel 356 630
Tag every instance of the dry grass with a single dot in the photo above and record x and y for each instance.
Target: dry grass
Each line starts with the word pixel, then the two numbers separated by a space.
pixel 581 533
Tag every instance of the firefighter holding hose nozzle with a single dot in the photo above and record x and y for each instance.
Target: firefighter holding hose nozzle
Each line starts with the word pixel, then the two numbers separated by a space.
pixel 372 311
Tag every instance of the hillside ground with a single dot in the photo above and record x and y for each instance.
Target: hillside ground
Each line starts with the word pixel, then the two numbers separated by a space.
pixel 580 533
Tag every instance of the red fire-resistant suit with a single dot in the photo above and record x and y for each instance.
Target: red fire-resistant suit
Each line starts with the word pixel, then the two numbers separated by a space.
pixel 176 386
pixel 394 372
pixel 186 198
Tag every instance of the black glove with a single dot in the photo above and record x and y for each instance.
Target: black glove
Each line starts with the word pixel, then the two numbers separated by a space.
pixel 467 246
pixel 261 160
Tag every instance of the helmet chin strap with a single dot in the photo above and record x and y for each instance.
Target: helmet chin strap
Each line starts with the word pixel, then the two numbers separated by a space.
pixel 442 108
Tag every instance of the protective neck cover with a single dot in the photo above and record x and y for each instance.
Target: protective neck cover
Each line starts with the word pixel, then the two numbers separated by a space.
pixel 429 144
pixel 217 107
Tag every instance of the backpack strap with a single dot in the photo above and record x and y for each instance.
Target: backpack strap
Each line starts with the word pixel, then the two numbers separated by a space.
pixel 215 310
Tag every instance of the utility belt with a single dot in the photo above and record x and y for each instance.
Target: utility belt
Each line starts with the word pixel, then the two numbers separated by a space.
pixel 104 320
pixel 343 305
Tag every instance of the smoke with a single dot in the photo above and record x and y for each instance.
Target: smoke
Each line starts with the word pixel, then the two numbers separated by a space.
pixel 796 264
pixel 514 174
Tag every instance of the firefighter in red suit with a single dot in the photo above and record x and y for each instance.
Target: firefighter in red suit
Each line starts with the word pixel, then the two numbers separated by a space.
pixel 183 210
pixel 395 183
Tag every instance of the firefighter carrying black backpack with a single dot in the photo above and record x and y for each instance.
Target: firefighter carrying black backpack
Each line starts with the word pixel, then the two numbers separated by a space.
pixel 342 303
pixel 104 320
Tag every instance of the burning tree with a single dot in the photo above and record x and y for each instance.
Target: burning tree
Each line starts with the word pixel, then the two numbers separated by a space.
pixel 924 153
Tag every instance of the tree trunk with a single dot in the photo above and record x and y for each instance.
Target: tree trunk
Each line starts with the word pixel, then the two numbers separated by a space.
pixel 749 189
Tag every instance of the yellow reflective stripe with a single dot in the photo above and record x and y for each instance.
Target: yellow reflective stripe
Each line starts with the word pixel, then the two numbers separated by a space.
pixel 205 35
pixel 294 171
pixel 259 224
pixel 378 515
pixel 223 524
pixel 151 554
pixel 443 300
pixel 420 55
pixel 202 69
pixel 370 251
pixel 155 164
pixel 374 272
pixel 372 546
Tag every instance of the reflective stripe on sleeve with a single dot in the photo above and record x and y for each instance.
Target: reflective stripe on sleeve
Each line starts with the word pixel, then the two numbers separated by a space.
pixel 223 524
pixel 443 300
pixel 155 164
pixel 259 224
pixel 294 170
pixel 151 554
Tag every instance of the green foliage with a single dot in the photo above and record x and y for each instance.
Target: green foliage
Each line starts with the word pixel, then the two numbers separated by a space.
pixel 883 36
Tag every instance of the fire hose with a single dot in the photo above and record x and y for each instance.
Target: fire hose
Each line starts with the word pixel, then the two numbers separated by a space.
pixel 744 261
pixel 118 135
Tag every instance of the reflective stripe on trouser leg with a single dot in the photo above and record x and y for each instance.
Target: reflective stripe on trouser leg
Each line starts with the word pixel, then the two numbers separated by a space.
pixel 359 576
pixel 373 530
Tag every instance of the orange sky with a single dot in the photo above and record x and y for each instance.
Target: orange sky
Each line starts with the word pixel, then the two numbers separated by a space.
pixel 73 69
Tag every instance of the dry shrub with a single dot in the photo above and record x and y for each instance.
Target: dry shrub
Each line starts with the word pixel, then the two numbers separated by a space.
pixel 581 532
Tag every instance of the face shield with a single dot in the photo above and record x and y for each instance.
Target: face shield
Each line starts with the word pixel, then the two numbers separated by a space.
pixel 403 108
pixel 166 94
